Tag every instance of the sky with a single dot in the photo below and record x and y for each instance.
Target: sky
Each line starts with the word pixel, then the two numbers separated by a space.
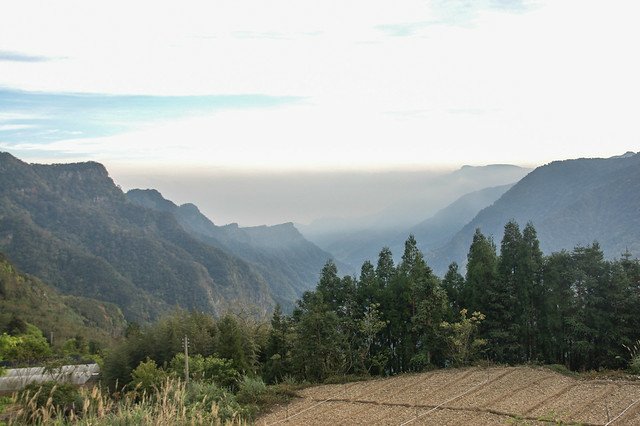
pixel 165 91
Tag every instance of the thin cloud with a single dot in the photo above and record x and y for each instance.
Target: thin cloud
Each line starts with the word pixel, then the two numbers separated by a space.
pixel 8 56
pixel 12 127
pixel 371 99
pixel 406 29
pixel 456 13
pixel 56 116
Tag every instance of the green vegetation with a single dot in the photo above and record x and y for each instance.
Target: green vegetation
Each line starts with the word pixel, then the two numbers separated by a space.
pixel 59 395
pixel 571 202
pixel 573 310
pixel 288 263
pixel 77 325
pixel 72 227
pixel 171 403
pixel 28 346
pixel 634 357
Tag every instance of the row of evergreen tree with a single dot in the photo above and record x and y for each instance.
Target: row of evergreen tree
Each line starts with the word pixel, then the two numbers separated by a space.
pixel 516 306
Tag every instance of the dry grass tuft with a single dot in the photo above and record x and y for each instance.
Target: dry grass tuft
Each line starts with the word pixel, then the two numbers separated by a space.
pixel 168 404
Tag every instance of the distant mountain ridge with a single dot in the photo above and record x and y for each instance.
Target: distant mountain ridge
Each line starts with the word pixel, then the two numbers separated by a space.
pixel 570 202
pixel 438 229
pixel 448 203
pixel 289 263
pixel 72 227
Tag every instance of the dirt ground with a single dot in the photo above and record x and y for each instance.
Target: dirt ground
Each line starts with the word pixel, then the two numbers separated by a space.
pixel 471 396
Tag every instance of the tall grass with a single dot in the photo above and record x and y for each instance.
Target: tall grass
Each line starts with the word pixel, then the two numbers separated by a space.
pixel 634 357
pixel 172 403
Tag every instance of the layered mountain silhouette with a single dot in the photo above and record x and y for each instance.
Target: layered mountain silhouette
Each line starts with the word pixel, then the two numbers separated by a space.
pixel 570 203
pixel 453 200
pixel 430 234
pixel 441 227
pixel 71 226
pixel 289 263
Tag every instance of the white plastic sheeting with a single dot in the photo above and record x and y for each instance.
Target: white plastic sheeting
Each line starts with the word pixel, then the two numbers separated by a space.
pixel 17 378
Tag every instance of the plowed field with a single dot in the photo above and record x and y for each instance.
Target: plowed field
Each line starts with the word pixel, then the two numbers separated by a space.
pixel 471 396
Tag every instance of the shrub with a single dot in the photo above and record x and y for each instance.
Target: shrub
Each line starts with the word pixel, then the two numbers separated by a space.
pixel 5 401
pixel 203 395
pixel 61 394
pixel 336 380
pixel 40 402
pixel 147 376
pixel 196 366
pixel 634 365
pixel 25 348
pixel 461 338
pixel 250 390
pixel 221 371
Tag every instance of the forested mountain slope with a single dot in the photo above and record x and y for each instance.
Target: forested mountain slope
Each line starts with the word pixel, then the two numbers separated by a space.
pixel 26 299
pixel 289 263
pixel 441 227
pixel 71 226
pixel 571 202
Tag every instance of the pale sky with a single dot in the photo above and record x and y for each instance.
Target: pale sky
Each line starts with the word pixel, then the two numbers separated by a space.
pixel 289 85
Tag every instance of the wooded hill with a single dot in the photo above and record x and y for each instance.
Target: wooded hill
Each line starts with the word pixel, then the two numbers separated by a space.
pixel 288 262
pixel 71 226
pixel 26 299
pixel 571 202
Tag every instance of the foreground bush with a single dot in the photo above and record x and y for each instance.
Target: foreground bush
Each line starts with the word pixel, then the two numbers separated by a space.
pixel 634 365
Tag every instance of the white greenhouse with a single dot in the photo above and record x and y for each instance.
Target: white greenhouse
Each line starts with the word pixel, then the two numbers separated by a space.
pixel 17 378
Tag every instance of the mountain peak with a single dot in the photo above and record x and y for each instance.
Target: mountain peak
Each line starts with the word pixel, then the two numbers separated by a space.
pixel 6 157
pixel 87 170
pixel 625 155
pixel 151 198
pixel 190 208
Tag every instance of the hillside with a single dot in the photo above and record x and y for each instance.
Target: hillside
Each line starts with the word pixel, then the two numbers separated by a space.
pixel 441 190
pixel 29 299
pixel 441 227
pixel 430 234
pixel 571 202
pixel 71 226
pixel 289 263
pixel 470 396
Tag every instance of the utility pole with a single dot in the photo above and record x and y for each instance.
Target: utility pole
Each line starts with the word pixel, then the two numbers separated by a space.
pixel 186 360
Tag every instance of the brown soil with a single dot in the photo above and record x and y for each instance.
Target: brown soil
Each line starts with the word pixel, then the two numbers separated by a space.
pixel 470 396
